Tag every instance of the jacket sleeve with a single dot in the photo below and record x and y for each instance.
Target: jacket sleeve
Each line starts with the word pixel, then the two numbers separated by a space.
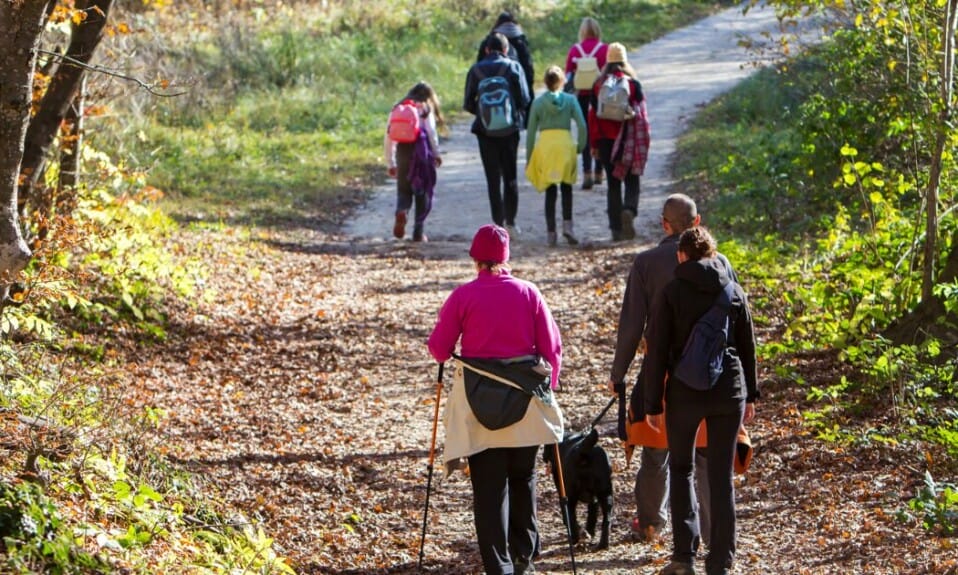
pixel 548 340
pixel 389 150
pixel 525 60
pixel 524 90
pixel 470 92
pixel 432 133
pixel 582 138
pixel 745 346
pixel 570 59
pixel 442 340
pixel 532 130
pixel 632 319
pixel 659 339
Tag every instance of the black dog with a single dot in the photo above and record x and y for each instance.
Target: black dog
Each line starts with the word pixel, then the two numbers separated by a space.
pixel 587 474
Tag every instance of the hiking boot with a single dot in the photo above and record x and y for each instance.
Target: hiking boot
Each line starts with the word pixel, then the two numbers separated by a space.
pixel 628 229
pixel 551 239
pixel 587 181
pixel 513 230
pixel 399 226
pixel 597 177
pixel 678 568
pixel 567 233
pixel 418 235
pixel 616 236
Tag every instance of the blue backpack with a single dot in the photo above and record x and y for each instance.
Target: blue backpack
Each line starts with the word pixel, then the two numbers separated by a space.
pixel 703 357
pixel 497 110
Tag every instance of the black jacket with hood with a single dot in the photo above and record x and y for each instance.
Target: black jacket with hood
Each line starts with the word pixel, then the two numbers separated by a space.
pixel 676 309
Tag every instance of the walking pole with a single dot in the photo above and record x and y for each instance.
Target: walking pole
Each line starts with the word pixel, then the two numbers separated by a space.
pixel 564 503
pixel 432 457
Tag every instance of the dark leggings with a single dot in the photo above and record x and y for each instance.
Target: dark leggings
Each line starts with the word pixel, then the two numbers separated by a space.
pixel 585 99
pixel 722 421
pixel 614 200
pixel 406 196
pixel 551 194
pixel 499 157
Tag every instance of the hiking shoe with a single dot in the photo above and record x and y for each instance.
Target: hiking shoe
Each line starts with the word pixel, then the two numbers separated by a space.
pixel 551 238
pixel 568 234
pixel 597 177
pixel 587 181
pixel 399 227
pixel 628 229
pixel 513 230
pixel 418 236
pixel 616 236
pixel 678 568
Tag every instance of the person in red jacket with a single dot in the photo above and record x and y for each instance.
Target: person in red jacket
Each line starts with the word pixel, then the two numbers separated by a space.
pixel 620 141
pixel 589 45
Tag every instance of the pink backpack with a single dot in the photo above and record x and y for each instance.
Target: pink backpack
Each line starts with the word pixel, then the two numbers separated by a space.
pixel 404 122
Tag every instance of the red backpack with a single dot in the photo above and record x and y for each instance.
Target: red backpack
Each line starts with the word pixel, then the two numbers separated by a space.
pixel 404 122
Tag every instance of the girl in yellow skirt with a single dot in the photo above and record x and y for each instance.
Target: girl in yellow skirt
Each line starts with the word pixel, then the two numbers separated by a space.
pixel 551 153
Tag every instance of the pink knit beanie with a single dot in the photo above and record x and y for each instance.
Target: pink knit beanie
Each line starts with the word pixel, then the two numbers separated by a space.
pixel 490 244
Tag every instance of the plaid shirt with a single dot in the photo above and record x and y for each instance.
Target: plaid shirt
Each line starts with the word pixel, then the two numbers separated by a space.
pixel 631 148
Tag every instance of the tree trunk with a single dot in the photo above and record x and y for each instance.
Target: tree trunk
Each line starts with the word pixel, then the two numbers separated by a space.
pixel 930 316
pixel 22 23
pixel 944 123
pixel 84 39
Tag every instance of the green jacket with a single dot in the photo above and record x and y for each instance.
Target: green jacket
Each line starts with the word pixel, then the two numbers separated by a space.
pixel 555 111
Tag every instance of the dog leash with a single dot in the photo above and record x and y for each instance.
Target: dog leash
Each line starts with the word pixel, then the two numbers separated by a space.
pixel 603 412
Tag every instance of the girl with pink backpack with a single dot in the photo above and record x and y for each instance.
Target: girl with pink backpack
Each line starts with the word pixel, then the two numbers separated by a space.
pixel 411 148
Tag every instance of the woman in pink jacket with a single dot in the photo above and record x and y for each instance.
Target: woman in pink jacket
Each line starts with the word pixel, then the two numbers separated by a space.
pixel 499 317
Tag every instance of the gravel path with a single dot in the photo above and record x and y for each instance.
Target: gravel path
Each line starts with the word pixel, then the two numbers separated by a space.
pixel 679 73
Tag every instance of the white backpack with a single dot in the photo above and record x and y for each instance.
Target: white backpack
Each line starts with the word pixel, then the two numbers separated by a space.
pixel 613 102
pixel 586 68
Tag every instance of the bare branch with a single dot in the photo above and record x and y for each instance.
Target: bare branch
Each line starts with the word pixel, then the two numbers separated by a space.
pixel 151 88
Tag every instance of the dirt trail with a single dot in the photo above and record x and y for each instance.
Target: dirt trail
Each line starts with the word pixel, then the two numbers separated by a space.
pixel 679 72
pixel 303 392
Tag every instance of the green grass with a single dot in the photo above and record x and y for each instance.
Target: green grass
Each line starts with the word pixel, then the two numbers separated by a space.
pixel 288 116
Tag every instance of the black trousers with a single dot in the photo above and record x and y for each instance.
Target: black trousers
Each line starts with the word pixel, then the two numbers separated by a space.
pixel 551 195
pixel 499 157
pixel 722 420
pixel 504 506
pixel 584 102
pixel 614 200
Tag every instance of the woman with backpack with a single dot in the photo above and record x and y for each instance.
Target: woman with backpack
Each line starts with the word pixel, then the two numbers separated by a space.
pixel 550 152
pixel 518 50
pixel 411 148
pixel 591 52
pixel 700 279
pixel 619 136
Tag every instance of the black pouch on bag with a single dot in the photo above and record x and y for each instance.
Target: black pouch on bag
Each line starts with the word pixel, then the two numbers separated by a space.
pixel 497 404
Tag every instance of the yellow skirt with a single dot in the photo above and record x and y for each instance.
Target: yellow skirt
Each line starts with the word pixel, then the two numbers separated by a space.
pixel 553 161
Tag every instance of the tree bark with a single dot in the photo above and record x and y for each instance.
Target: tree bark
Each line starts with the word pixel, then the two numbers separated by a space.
pixel 22 22
pixel 84 39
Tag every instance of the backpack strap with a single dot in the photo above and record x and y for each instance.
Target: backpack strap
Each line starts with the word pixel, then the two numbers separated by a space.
pixel 594 49
pixel 581 51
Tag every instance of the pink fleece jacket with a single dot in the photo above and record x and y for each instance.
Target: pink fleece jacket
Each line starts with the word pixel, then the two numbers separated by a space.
pixel 498 317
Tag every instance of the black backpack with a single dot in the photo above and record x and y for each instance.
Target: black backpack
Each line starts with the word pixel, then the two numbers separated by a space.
pixel 703 357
